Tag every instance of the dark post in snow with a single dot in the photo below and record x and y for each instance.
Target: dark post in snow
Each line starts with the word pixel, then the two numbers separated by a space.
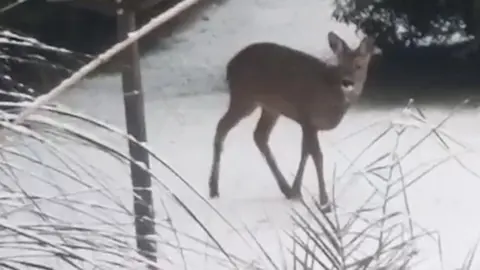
pixel 135 118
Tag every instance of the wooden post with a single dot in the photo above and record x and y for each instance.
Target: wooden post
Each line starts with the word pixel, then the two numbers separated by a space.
pixel 135 118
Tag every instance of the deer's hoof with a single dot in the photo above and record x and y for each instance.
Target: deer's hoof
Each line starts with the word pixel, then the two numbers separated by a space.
pixel 326 207
pixel 295 195
pixel 214 194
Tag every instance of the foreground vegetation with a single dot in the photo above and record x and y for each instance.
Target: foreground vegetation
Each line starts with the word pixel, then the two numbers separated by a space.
pixel 61 210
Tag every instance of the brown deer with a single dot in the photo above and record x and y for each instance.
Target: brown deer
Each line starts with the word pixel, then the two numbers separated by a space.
pixel 284 81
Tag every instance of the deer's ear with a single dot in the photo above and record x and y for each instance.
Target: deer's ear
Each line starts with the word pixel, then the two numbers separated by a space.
pixel 367 46
pixel 337 44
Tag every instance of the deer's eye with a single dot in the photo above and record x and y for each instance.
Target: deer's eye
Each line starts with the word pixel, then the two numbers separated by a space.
pixel 358 66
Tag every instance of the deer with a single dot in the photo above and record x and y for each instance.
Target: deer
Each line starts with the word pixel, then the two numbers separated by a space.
pixel 283 81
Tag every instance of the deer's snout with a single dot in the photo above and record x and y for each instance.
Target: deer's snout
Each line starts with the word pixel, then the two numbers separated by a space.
pixel 347 84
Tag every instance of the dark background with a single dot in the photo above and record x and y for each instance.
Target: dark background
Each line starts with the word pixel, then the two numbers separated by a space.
pixel 404 70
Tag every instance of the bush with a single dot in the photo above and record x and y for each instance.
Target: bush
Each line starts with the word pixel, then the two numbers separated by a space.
pixel 399 23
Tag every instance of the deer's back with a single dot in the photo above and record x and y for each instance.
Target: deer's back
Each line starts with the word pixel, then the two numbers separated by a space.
pixel 288 81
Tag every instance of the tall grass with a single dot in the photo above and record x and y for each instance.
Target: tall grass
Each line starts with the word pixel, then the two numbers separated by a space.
pixel 29 66
pixel 59 210
pixel 379 234
pixel 62 211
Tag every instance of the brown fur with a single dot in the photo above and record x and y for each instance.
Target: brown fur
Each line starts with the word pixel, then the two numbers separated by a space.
pixel 284 81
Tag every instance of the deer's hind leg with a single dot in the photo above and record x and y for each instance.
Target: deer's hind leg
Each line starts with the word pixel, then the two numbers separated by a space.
pixel 237 110
pixel 261 135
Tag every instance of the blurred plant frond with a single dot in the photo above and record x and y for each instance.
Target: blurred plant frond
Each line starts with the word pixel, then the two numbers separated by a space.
pixel 27 64
pixel 380 233
pixel 61 210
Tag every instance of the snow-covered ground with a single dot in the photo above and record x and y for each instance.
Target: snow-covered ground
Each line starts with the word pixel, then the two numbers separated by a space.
pixel 185 99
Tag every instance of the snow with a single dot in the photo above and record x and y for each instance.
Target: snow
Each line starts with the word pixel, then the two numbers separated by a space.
pixel 185 97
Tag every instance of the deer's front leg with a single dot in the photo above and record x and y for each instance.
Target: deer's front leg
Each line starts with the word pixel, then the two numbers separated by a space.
pixel 297 183
pixel 317 156
pixel 311 146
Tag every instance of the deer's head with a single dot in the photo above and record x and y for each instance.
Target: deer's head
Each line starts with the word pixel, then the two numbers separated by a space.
pixel 352 64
